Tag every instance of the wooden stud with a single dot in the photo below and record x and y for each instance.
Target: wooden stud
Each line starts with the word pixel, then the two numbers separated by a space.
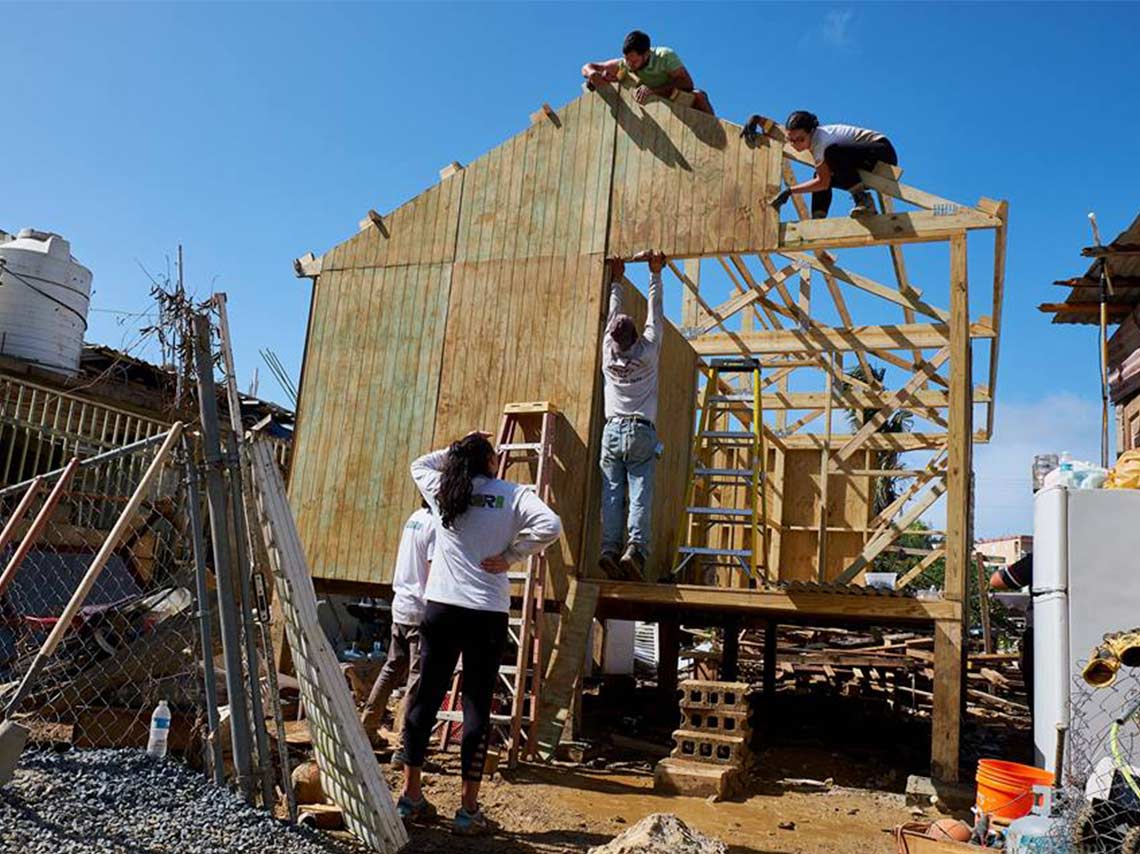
pixel 452 168
pixel 545 112
pixel 822 338
pixel 824 472
pixel 946 717
pixel 374 219
pixel 308 266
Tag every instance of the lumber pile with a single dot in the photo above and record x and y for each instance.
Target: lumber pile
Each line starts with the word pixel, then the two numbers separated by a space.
pixel 896 669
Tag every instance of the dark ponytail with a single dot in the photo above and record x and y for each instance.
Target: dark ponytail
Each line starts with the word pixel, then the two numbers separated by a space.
pixel 466 459
pixel 802 120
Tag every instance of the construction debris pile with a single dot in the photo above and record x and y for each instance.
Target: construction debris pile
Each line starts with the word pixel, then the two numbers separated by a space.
pixel 124 800
pixel 896 669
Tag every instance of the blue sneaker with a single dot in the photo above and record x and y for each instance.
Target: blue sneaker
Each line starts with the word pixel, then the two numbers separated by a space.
pixel 471 823
pixel 411 812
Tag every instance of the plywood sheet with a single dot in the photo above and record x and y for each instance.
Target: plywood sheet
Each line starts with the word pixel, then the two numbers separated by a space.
pixel 527 330
pixel 543 193
pixel 368 409
pixel 685 181
pixel 421 231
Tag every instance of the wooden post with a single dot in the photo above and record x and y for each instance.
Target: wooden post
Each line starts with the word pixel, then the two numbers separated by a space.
pixel 668 652
pixel 948 652
pixel 770 631
pixel 691 314
pixel 984 605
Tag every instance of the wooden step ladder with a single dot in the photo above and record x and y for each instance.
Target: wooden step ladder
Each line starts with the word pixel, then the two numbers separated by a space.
pixel 728 455
pixel 526 437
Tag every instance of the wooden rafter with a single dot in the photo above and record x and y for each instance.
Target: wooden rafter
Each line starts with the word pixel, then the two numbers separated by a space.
pixel 828 338
pixel 893 402
pixel 895 530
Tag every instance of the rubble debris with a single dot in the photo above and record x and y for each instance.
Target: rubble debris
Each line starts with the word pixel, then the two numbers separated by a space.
pixel 116 800
pixel 661 833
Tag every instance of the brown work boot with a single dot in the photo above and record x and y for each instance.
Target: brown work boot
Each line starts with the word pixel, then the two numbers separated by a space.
pixel 608 563
pixel 633 563
pixel 864 203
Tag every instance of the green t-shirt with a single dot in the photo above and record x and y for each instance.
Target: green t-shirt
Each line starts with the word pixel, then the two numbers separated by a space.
pixel 658 71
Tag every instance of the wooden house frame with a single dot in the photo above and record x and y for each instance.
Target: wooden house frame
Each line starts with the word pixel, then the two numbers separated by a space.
pixel 490 288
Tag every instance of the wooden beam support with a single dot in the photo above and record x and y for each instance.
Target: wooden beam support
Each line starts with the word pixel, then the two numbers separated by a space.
pixel 894 401
pixel 1001 211
pixel 643 599
pixel 879 441
pixel 946 716
pixel 959 446
pixel 895 530
pixel 919 568
pixel 452 168
pixel 904 336
pixel 825 263
pixel 308 266
pixel 859 399
pixel 912 227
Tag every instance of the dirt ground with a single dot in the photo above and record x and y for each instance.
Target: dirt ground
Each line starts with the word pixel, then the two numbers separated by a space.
pixel 556 809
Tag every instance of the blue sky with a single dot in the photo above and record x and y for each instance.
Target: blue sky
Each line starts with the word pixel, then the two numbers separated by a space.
pixel 252 133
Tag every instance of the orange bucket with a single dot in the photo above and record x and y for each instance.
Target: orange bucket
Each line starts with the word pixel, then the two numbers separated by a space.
pixel 1005 789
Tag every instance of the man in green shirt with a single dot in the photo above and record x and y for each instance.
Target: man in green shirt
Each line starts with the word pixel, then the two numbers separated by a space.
pixel 655 70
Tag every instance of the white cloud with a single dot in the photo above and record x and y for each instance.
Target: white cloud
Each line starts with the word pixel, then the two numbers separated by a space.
pixel 836 26
pixel 1003 486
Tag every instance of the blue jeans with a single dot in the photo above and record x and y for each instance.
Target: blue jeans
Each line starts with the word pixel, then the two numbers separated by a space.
pixel 629 451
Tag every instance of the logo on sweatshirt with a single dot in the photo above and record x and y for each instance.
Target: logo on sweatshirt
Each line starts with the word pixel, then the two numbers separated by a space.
pixel 490 502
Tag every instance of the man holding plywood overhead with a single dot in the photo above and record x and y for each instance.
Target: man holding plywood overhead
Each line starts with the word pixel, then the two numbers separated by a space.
pixel 629 439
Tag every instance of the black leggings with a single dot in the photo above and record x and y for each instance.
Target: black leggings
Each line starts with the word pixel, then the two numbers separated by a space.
pixel 845 160
pixel 447 632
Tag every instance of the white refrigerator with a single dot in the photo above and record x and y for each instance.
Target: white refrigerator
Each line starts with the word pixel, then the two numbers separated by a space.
pixel 1086 582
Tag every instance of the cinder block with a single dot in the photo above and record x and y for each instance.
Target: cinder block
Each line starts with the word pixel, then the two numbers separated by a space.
pixel 709 748
pixel 675 776
pixel 717 721
pixel 730 696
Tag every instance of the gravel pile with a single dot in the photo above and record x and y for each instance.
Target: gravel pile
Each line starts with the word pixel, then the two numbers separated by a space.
pixel 105 801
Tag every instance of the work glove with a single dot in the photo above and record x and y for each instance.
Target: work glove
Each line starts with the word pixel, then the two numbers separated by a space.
pixel 753 129
pixel 781 198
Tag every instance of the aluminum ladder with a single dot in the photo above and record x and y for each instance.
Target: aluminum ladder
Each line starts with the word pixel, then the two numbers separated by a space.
pixel 728 455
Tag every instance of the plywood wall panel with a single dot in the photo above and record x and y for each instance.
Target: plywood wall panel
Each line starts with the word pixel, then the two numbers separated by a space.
pixel 368 409
pixel 686 182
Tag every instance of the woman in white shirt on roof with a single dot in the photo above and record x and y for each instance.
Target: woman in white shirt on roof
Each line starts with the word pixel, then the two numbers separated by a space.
pixel 483 525
pixel 839 152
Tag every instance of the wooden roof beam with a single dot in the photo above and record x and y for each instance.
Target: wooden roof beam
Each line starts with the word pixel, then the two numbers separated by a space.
pixel 1113 309
pixel 858 399
pixel 825 263
pixel 904 336
pixel 909 227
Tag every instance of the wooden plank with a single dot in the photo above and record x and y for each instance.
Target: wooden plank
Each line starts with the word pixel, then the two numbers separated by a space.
pixel 946 716
pixel 910 227
pixel 565 667
pixel 895 530
pixel 617 598
pixel 959 446
pixel 838 339
pixel 860 399
pixel 350 776
pixel 825 263
pixel 919 568
pixel 894 401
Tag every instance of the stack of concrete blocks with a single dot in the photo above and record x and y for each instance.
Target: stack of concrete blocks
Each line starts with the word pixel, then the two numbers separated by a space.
pixel 711 755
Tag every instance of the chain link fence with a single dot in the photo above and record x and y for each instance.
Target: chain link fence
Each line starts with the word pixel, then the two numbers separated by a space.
pixel 1100 803
pixel 135 641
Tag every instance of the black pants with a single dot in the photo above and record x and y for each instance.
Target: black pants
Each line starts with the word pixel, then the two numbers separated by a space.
pixel 447 632
pixel 845 160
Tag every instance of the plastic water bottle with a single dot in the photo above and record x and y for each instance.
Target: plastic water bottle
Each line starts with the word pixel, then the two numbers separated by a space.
pixel 1066 470
pixel 159 730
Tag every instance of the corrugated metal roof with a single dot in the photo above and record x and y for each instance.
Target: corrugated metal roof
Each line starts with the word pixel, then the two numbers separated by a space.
pixel 1122 256
pixel 848 589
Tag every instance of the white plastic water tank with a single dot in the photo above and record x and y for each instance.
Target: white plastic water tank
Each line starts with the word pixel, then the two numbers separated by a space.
pixel 44 295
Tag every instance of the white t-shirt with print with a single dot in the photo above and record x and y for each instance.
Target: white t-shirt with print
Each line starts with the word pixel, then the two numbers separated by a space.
pixel 504 519
pixel 412 562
